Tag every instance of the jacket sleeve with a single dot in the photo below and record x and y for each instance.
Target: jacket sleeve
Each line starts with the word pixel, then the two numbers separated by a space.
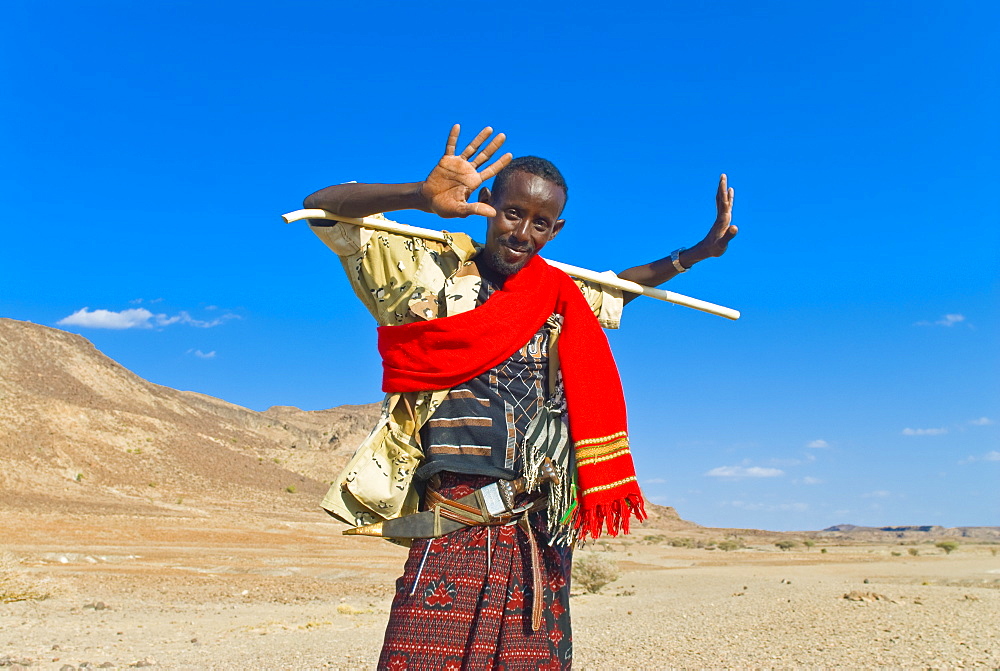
pixel 606 302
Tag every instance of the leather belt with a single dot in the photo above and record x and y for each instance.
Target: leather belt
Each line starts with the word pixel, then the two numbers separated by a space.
pixel 488 506
pixel 491 505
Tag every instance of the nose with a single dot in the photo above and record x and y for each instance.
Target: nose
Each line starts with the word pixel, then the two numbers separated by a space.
pixel 521 231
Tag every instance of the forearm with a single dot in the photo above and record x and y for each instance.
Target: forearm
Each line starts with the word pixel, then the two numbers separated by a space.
pixel 362 200
pixel 659 271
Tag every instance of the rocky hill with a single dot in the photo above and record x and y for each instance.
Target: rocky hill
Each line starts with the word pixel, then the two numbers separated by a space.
pixel 907 533
pixel 80 432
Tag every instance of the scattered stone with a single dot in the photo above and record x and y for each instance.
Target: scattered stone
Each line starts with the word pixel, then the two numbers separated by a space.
pixel 13 663
pixel 149 661
pixel 105 665
pixel 866 581
pixel 67 667
pixel 57 647
pixel 856 595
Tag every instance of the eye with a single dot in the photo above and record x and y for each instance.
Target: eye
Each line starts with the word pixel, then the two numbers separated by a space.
pixel 512 214
pixel 541 225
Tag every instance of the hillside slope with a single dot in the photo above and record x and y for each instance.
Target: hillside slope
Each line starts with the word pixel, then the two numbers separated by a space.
pixel 78 431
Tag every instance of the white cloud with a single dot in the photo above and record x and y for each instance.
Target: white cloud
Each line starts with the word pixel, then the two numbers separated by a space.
pixel 133 318
pixel 771 507
pixel 809 480
pixel 183 317
pixel 947 320
pixel 924 432
pixel 992 455
pixel 877 494
pixel 136 318
pixel 818 444
pixel 202 355
pixel 744 472
pixel 982 421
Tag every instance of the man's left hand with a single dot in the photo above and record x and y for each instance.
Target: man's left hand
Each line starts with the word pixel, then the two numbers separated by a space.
pixel 723 230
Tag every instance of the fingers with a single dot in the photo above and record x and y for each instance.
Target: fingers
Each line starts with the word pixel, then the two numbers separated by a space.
pixel 732 198
pixel 496 167
pixel 484 155
pixel 478 140
pixel 449 149
pixel 481 209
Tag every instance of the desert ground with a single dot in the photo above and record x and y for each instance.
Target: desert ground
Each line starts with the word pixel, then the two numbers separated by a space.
pixel 278 587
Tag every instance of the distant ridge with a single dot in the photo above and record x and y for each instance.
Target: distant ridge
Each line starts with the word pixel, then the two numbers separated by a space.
pixel 916 532
pixel 80 432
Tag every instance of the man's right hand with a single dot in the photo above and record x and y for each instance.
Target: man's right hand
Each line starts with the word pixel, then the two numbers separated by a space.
pixel 453 180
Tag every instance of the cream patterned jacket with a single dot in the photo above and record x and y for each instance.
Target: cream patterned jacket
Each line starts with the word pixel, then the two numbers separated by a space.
pixel 403 279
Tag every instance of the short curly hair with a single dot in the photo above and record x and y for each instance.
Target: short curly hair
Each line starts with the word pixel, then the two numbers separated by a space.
pixel 533 165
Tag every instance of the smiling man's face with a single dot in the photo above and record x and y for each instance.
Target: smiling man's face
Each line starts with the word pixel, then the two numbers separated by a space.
pixel 528 210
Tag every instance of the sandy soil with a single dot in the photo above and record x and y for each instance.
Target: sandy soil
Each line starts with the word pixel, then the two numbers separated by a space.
pixel 284 590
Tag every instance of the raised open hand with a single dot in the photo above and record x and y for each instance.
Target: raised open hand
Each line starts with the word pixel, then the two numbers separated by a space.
pixel 722 231
pixel 453 180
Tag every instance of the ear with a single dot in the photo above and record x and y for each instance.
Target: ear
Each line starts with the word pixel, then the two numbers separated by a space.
pixel 557 227
pixel 485 195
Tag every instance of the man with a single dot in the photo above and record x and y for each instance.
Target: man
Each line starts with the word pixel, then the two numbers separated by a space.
pixel 485 349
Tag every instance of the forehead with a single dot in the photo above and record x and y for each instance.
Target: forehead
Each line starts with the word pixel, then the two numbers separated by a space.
pixel 524 188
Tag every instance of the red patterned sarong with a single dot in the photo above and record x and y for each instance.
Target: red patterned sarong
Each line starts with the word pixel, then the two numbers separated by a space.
pixel 467 612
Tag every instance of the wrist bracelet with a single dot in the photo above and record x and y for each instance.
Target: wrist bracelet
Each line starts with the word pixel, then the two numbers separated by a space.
pixel 675 258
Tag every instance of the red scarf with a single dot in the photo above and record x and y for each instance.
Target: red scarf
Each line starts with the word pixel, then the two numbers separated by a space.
pixel 441 353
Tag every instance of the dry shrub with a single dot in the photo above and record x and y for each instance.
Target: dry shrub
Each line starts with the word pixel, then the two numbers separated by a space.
pixel 947 546
pixel 15 585
pixel 592 571
pixel 348 609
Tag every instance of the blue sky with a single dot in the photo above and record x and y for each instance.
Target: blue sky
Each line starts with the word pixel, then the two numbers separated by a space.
pixel 151 147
